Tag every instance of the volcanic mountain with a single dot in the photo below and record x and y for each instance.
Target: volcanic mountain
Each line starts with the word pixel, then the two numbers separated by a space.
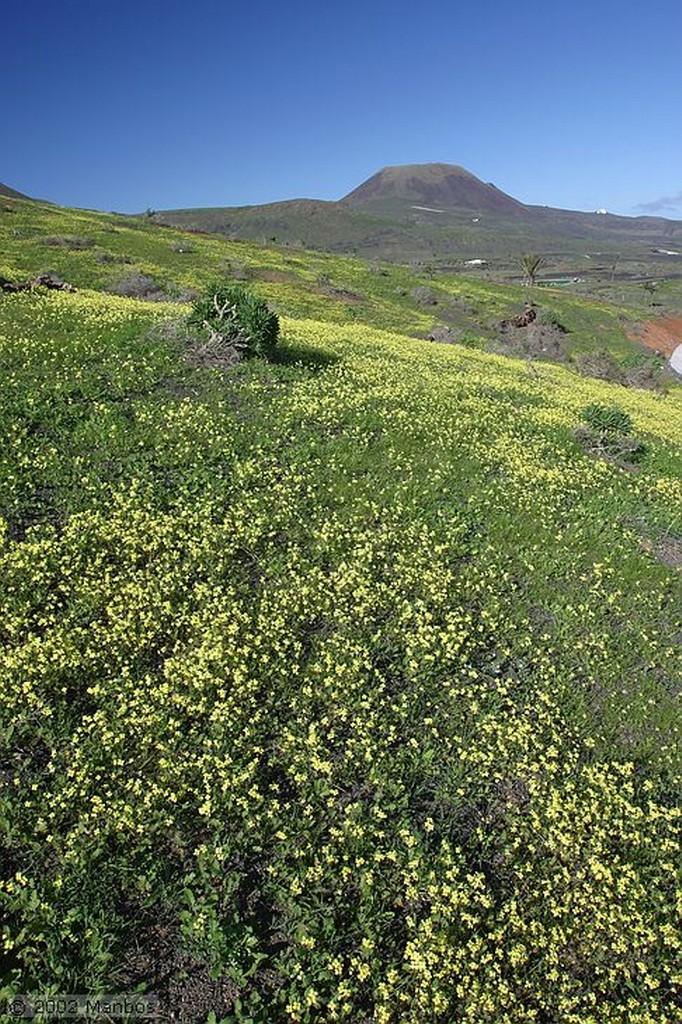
pixel 427 211
pixel 433 186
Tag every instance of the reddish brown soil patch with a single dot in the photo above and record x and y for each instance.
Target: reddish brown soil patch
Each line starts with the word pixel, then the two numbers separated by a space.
pixel 662 335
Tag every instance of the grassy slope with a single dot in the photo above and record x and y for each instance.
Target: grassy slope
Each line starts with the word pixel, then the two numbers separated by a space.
pixel 297 283
pixel 348 680
pixel 611 257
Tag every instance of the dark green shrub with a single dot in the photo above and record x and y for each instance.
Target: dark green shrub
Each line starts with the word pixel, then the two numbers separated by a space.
pixel 608 435
pixel 607 419
pixel 549 319
pixel 238 318
pixel 471 340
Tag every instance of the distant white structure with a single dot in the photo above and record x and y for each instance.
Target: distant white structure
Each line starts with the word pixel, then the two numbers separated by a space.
pixel 475 263
pixel 602 211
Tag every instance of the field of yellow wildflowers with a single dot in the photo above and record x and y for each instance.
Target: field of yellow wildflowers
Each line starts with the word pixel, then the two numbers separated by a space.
pixel 342 688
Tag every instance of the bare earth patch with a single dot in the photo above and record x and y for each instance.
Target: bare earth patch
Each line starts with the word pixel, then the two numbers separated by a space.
pixel 665 546
pixel 662 335
pixel 667 550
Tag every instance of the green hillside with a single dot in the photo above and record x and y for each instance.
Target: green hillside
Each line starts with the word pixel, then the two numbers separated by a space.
pixel 108 251
pixel 442 216
pixel 339 688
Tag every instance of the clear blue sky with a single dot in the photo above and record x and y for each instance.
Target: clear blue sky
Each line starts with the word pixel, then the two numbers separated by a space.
pixel 124 105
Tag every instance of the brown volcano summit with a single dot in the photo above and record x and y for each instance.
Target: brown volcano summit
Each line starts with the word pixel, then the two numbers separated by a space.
pixel 440 186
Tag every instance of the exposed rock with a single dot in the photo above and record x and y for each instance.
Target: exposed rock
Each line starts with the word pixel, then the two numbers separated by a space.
pixel 51 281
pixel 41 281
pixel 13 286
pixel 524 319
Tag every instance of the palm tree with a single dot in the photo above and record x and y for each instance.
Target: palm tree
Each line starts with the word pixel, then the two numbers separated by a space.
pixel 530 264
pixel 650 287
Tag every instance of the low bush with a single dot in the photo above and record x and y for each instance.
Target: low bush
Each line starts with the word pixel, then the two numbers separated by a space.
pixel 137 285
pixel 113 258
pixel 549 319
pixel 647 375
pixel 236 271
pixel 643 370
pixel 424 296
pixel 600 364
pixel 60 242
pixel 607 419
pixel 608 433
pixel 471 340
pixel 238 319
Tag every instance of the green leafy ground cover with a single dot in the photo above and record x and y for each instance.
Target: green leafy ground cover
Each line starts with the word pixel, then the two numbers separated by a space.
pixel 338 688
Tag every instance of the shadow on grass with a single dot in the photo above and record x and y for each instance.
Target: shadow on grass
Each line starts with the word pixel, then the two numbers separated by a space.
pixel 314 358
